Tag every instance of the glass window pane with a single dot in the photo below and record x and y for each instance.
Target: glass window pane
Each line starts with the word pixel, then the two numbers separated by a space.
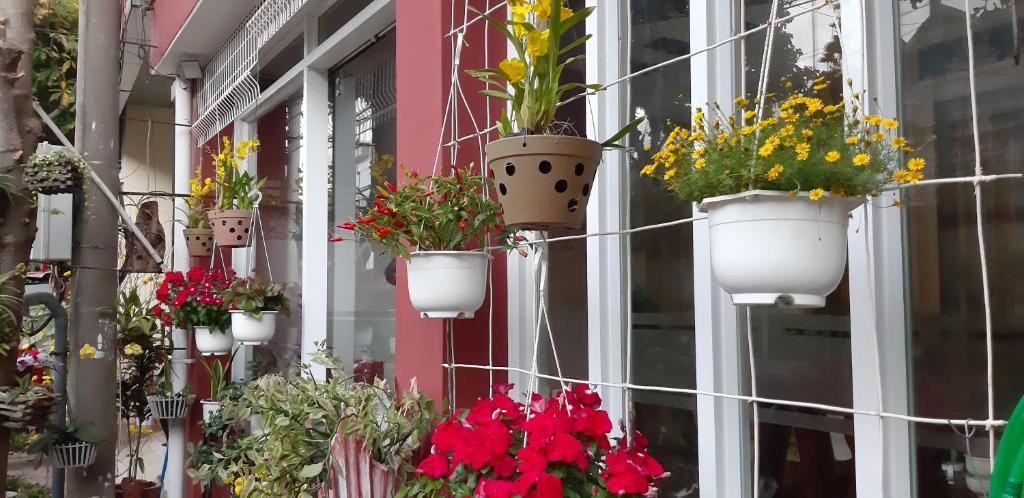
pixel 804 452
pixel 661 261
pixel 947 313
pixel 361 292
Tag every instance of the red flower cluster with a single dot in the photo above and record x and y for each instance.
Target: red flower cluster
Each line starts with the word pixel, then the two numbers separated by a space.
pixel 541 450
pixel 195 298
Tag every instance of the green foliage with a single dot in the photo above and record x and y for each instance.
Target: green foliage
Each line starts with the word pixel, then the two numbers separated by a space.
pixel 300 415
pixel 254 296
pixel 10 309
pixel 433 213
pixel 25 489
pixel 55 61
pixel 55 165
pixel 805 144
pixel 220 375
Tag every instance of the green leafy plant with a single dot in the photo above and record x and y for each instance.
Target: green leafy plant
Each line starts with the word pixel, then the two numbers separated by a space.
pixel 55 165
pixel 22 488
pixel 254 296
pixel 220 376
pixel 236 189
pixel 536 30
pixel 141 341
pixel 291 456
pixel 806 144
pixel 10 309
pixel 432 213
pixel 55 61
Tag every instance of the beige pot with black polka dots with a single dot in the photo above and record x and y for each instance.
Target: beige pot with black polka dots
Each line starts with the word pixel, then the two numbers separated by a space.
pixel 199 242
pixel 231 227
pixel 544 181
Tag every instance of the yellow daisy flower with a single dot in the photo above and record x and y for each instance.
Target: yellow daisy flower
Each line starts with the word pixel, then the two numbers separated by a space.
pixel 816 194
pixel 915 164
pixel 832 156
pixel 774 173
pixel 861 159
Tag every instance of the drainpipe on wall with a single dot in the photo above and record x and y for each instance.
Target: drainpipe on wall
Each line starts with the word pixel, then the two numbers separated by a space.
pixel 174 476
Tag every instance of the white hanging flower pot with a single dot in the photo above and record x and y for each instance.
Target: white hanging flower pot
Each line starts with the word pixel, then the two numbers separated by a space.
pixel 252 330
pixel 169 407
pixel 71 455
pixel 447 284
pixel 213 342
pixel 210 407
pixel 769 247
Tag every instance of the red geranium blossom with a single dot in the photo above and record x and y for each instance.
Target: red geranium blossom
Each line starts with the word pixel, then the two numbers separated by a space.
pixel 547 449
pixel 194 299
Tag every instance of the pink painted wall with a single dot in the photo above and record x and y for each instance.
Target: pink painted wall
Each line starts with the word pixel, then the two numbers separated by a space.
pixel 168 17
pixel 423 72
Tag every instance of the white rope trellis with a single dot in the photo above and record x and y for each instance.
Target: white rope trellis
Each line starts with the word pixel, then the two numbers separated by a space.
pixel 542 243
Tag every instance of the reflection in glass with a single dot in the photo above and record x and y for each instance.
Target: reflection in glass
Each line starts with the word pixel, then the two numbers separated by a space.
pixel 804 453
pixel 947 318
pixel 661 262
pixel 362 274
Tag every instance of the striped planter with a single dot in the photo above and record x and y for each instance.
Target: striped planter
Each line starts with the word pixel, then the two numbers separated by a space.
pixel 169 407
pixel 354 474
pixel 71 455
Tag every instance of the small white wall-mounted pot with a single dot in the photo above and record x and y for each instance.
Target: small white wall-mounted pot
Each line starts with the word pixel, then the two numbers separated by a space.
pixel 212 342
pixel 447 284
pixel 253 330
pixel 769 247
pixel 209 407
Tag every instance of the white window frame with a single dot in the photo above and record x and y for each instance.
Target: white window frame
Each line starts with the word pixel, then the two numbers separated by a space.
pixel 877 288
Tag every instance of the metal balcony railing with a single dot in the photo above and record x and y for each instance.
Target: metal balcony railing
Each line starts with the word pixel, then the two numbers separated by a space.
pixel 229 84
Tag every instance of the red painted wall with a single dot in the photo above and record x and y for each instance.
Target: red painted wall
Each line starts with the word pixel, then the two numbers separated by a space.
pixel 168 17
pixel 423 79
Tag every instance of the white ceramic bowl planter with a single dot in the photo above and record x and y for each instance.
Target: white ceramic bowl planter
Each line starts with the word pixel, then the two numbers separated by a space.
pixel 212 342
pixel 209 408
pixel 770 248
pixel 447 284
pixel 253 330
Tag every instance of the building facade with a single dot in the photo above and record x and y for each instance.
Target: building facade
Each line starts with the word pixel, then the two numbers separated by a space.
pixel 345 93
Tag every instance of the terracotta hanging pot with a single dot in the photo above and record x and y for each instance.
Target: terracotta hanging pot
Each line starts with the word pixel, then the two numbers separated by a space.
pixel 199 242
pixel 231 226
pixel 544 181
pixel 769 247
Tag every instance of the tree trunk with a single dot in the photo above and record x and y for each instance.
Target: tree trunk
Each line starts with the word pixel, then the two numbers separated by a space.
pixel 94 249
pixel 19 131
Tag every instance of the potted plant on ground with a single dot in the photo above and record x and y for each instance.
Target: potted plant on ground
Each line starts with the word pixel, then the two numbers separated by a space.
pixel 254 305
pixel 237 193
pixel 195 300
pixel 58 171
pixel 778 191
pixel 544 175
pixel 551 447
pixel 440 224
pixel 198 233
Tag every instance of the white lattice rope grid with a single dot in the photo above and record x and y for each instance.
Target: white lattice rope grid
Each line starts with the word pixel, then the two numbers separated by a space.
pixel 457 35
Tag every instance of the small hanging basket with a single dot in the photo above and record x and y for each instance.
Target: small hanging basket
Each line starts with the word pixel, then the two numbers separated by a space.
pixel 447 284
pixel 544 181
pixel 210 407
pixel 57 171
pixel 213 342
pixel 24 411
pixel 252 330
pixel 169 407
pixel 769 247
pixel 231 227
pixel 71 455
pixel 199 242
